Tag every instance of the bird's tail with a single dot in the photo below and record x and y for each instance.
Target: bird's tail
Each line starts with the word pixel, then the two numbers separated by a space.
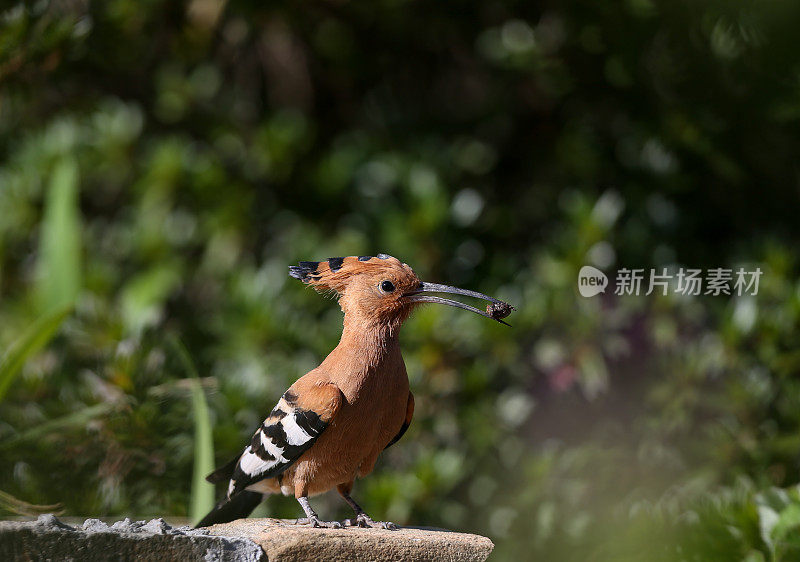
pixel 239 506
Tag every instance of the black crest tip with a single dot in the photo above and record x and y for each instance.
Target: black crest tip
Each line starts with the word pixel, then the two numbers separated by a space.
pixel 303 270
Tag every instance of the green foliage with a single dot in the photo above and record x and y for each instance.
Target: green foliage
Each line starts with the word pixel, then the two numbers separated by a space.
pixel 779 521
pixel 77 419
pixel 161 163
pixel 33 340
pixel 60 251
pixel 202 495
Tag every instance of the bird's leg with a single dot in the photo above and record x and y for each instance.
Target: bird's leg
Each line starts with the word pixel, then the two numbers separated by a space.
pixel 361 519
pixel 312 518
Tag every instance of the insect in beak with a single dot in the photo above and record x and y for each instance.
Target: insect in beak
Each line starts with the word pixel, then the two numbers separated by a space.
pixel 496 310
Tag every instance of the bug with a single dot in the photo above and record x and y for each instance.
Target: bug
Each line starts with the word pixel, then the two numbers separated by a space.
pixel 499 310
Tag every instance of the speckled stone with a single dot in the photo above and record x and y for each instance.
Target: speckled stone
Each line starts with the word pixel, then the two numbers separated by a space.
pixel 284 541
pixel 48 538
pixel 245 540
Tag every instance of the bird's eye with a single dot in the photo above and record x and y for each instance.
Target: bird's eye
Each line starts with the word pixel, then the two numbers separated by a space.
pixel 387 286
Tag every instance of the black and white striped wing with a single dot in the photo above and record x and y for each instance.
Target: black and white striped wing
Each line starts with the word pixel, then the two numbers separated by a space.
pixel 285 435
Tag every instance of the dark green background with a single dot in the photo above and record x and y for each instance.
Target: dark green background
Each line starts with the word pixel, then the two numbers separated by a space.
pixel 493 145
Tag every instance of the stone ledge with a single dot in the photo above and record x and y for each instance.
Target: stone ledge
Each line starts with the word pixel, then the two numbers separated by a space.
pixel 246 540
pixel 285 541
pixel 47 538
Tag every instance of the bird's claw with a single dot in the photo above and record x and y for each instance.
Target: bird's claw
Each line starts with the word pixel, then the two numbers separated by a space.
pixel 316 522
pixel 364 520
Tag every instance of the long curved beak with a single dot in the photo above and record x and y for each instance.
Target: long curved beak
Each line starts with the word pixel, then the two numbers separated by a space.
pixel 418 295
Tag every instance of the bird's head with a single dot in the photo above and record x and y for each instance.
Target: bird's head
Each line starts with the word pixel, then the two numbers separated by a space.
pixel 383 289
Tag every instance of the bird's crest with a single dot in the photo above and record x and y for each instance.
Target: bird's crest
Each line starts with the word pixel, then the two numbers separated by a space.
pixel 335 273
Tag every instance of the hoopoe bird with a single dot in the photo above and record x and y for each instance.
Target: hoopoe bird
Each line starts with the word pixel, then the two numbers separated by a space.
pixel 333 422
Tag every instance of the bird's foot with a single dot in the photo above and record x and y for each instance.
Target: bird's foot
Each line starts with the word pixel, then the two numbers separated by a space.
pixel 318 523
pixel 364 520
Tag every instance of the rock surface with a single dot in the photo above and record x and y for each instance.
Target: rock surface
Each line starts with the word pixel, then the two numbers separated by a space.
pixel 47 538
pixel 284 541
pixel 246 540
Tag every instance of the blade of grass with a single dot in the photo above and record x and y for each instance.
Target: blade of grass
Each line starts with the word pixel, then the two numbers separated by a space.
pixel 79 418
pixel 202 496
pixel 16 506
pixel 37 336
pixel 60 244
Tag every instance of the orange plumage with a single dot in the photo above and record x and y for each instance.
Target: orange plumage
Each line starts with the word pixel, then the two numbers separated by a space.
pixel 333 422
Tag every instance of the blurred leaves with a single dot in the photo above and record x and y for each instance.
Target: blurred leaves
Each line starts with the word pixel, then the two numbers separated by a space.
pixel 202 494
pixel 15 506
pixel 142 298
pixel 32 341
pixel 77 419
pixel 60 248
pixel 169 160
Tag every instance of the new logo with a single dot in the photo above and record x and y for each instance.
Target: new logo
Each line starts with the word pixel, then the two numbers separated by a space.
pixel 591 281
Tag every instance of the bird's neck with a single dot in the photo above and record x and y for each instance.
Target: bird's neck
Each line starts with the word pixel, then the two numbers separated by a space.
pixel 365 346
